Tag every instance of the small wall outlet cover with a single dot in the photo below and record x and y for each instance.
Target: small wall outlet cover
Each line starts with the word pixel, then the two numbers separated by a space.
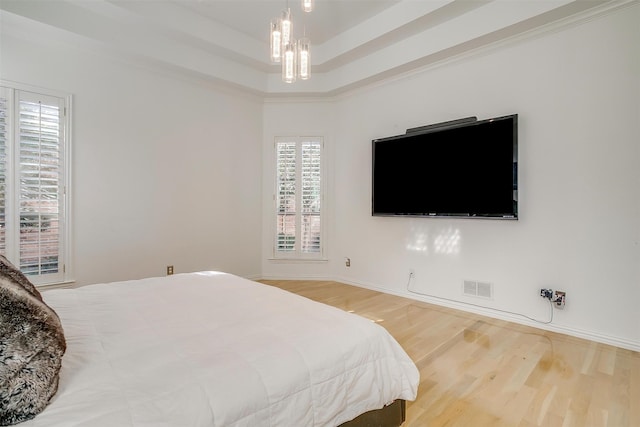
pixel 560 299
pixel 169 270
pixel 546 293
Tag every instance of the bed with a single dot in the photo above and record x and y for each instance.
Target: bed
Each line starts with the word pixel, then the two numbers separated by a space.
pixel 214 349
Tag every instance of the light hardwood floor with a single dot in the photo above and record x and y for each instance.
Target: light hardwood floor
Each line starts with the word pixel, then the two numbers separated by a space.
pixel 477 371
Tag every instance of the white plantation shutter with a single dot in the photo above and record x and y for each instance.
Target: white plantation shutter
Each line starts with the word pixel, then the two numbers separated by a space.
pixel 35 177
pixel 311 197
pixel 286 197
pixel 40 191
pixel 4 136
pixel 298 197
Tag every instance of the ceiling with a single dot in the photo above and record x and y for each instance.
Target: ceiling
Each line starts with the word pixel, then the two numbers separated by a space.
pixel 353 42
pixel 251 17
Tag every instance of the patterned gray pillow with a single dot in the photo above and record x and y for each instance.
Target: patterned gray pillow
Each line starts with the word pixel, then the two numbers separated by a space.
pixel 31 347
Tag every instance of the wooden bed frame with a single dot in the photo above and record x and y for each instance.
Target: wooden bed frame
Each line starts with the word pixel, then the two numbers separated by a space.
pixel 392 415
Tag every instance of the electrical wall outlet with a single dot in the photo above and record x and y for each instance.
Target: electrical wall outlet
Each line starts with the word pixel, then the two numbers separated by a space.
pixel 546 293
pixel 169 270
pixel 559 299
pixel 347 262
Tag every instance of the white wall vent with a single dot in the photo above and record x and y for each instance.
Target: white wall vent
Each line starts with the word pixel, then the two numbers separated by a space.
pixel 477 289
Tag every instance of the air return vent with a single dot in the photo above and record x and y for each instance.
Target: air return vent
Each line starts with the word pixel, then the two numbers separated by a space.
pixel 477 289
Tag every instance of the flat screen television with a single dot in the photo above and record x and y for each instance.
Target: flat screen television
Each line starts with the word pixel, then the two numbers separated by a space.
pixel 466 168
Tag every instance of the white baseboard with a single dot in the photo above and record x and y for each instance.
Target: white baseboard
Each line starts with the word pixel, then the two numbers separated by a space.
pixel 484 311
pixel 297 277
pixel 489 312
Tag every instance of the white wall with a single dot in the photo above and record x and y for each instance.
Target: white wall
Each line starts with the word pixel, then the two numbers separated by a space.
pixel 168 171
pixel 165 171
pixel 577 94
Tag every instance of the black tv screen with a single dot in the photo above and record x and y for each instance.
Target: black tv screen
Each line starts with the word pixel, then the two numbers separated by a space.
pixel 465 168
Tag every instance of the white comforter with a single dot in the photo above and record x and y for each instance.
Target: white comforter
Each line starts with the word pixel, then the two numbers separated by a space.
pixel 213 349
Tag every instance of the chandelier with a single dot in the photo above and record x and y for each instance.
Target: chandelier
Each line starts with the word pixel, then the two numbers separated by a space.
pixel 293 55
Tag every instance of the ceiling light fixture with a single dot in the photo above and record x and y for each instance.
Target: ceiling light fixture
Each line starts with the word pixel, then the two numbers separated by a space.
pixel 307 5
pixel 289 62
pixel 304 59
pixel 295 56
pixel 276 40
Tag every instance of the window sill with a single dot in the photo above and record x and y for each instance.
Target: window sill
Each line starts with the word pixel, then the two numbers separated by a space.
pixel 58 285
pixel 298 260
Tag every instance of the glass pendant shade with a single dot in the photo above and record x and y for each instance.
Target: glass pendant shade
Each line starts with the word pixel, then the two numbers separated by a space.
pixel 283 48
pixel 275 41
pixel 304 59
pixel 286 26
pixel 289 68
pixel 307 5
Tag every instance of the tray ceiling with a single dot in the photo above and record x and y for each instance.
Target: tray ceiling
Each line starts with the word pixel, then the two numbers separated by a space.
pixel 354 42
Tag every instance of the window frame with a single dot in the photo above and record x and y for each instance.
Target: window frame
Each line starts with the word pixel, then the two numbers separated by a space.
pixel 297 254
pixel 13 90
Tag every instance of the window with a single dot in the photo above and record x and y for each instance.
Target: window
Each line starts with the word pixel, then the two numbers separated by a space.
pixel 34 141
pixel 299 196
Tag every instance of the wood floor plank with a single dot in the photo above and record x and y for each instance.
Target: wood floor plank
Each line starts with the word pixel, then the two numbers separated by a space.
pixel 477 371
